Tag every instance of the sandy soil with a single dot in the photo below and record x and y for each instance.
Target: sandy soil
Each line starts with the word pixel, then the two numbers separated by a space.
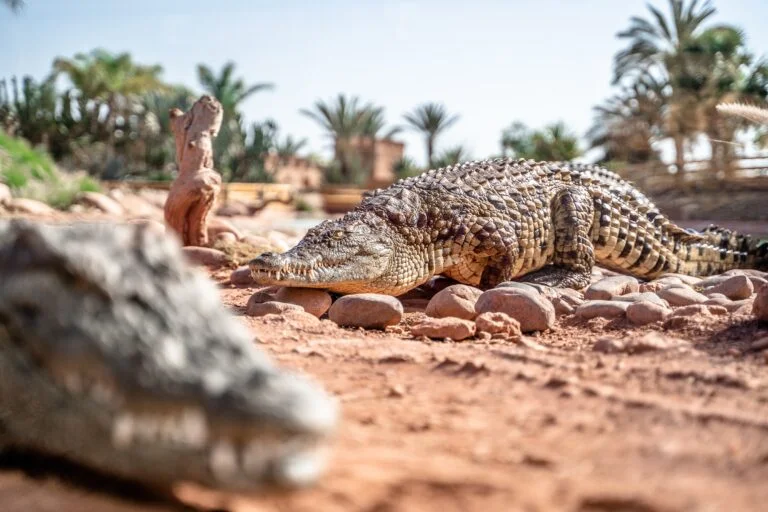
pixel 498 426
pixel 494 426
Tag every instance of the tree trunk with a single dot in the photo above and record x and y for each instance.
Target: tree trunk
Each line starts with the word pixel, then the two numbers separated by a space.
pixel 194 191
pixel 680 160
pixel 430 151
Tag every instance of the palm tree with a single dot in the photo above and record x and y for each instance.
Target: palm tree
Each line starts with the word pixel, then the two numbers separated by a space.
pixel 14 5
pixel 101 79
pixel 431 119
pixel 349 123
pixel 554 142
pixel 451 156
pixel 289 147
pixel 231 93
pixel 724 71
pixel 658 47
pixel 627 124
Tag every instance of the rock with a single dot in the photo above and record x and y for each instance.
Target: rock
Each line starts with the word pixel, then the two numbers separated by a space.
pixel 602 309
pixel 241 276
pixel 447 327
pixel 609 345
pixel 368 310
pixel 610 287
pixel 659 284
pixel 457 301
pixel 135 206
pixel 279 241
pixel 217 225
pixel 314 301
pixel 232 209
pixel 717 310
pixel 206 256
pixel 100 202
pixel 760 307
pixel 226 238
pixel 259 242
pixel 692 310
pixel 518 285
pixel 562 306
pixel 681 295
pixel 685 279
pixel 646 312
pixel 270 308
pixel 733 287
pixel 535 313
pixel 5 193
pixel 265 294
pixel 498 323
pixel 654 341
pixel 643 297
pixel 28 206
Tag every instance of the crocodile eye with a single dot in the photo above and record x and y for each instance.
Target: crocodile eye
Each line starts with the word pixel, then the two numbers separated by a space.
pixel 337 235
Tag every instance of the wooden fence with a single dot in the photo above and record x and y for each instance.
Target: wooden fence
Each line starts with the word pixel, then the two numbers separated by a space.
pixel 245 192
pixel 749 173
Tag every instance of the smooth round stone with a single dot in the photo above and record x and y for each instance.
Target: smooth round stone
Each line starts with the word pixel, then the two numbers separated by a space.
pixel 456 329
pixel 457 301
pixel 314 301
pixel 367 310
pixel 534 312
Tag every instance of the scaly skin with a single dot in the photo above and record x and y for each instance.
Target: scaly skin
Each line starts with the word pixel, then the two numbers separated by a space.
pixel 116 355
pixel 485 222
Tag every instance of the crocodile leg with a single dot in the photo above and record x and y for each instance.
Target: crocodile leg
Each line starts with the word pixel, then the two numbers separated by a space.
pixel 574 255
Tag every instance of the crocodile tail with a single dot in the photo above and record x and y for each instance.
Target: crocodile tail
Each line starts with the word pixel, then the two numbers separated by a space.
pixel 715 250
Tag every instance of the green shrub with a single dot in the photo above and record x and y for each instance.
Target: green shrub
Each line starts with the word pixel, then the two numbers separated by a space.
pixel 31 173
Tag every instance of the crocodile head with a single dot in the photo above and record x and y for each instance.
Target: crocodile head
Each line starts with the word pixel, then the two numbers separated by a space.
pixel 115 354
pixel 355 254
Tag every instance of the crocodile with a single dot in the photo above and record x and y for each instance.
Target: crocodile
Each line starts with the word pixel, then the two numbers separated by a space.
pixel 118 356
pixel 485 222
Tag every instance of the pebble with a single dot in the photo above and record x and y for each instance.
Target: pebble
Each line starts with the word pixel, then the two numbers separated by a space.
pixel 518 285
pixel 28 206
pixel 206 256
pixel 314 301
pixel 610 287
pixel 265 294
pixel 692 310
pixel 685 279
pixel 643 297
pixel 602 309
pixel 367 310
pixel 681 296
pixel 654 341
pixel 760 307
pixel 457 301
pixel 101 202
pixel 225 237
pixel 241 276
pixel 646 312
pixel 609 345
pixel 218 225
pixel 534 312
pixel 270 308
pixel 660 283
pixel 498 323
pixel 442 328
pixel 733 287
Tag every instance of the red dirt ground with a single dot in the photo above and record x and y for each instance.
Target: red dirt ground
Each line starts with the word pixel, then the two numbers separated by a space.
pixel 481 426
pixel 499 426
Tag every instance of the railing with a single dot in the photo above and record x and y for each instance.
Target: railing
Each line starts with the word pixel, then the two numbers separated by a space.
pixel 746 173
pixel 246 192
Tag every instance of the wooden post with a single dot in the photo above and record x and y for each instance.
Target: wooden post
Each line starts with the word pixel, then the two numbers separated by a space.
pixel 194 190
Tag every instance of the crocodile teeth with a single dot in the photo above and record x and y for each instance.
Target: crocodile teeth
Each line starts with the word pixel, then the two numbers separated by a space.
pixel 223 460
pixel 123 430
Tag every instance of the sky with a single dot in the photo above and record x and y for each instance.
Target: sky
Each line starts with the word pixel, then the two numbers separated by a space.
pixel 492 62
